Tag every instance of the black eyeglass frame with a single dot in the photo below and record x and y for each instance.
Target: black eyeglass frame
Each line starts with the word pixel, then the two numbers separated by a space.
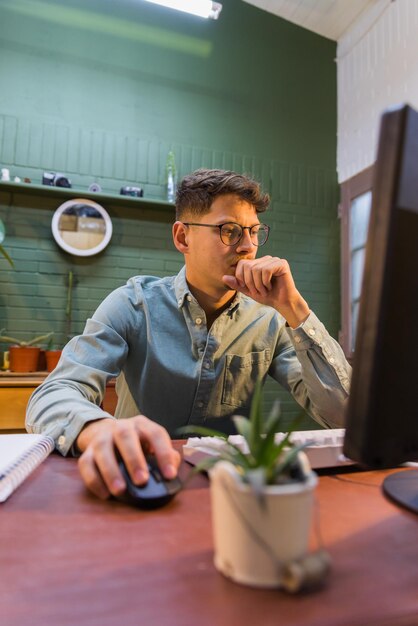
pixel 264 227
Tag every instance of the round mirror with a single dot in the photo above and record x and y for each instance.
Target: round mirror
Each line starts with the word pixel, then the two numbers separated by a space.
pixel 81 227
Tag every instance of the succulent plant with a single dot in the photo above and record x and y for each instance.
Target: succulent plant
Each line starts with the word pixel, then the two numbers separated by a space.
pixel 264 460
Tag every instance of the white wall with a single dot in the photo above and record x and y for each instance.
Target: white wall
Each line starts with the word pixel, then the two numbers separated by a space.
pixel 377 67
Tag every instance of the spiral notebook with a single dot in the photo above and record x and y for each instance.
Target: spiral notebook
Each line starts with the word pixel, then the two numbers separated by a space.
pixel 20 455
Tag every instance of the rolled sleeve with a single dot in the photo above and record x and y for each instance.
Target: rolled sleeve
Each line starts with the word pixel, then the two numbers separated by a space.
pixel 312 335
pixel 72 394
pixel 312 366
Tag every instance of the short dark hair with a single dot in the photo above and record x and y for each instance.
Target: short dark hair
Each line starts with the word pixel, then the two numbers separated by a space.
pixel 197 191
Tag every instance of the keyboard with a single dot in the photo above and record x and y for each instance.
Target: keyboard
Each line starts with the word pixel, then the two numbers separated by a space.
pixel 324 448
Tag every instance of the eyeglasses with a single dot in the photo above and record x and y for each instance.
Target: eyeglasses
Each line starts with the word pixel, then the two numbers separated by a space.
pixel 232 233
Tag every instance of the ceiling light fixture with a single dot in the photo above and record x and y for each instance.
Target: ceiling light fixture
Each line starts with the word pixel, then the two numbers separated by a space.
pixel 202 8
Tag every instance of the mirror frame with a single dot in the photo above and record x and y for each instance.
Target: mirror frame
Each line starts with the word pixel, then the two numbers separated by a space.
pixel 71 249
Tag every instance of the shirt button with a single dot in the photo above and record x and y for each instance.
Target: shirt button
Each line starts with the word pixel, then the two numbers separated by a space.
pixel 311 332
pixel 207 364
pixel 198 320
pixel 179 301
pixel 332 360
pixel 61 440
pixel 298 339
pixel 189 298
pixel 200 404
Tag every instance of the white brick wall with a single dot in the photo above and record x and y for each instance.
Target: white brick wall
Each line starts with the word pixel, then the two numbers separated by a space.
pixel 377 67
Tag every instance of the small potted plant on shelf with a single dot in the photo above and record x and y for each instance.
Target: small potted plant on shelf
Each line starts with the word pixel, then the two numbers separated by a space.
pixel 54 350
pixel 52 355
pixel 24 355
pixel 262 502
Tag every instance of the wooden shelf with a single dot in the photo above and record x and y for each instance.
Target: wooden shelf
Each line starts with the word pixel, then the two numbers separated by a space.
pixel 17 379
pixel 101 198
pixel 27 379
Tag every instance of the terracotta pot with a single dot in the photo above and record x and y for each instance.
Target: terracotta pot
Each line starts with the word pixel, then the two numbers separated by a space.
pixel 42 361
pixel 52 358
pixel 24 358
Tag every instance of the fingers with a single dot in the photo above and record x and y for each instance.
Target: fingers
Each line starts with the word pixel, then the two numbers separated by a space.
pixel 230 281
pixel 255 277
pixel 91 476
pixel 133 438
pixel 157 441
pixel 99 470
pixel 127 440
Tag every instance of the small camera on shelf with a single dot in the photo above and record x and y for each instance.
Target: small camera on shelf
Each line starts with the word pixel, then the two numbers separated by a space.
pixel 55 179
pixel 135 192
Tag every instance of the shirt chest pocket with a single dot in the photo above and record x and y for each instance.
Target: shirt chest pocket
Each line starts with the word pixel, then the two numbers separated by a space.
pixel 241 374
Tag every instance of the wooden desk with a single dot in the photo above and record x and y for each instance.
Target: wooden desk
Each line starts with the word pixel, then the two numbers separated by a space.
pixel 68 558
pixel 15 391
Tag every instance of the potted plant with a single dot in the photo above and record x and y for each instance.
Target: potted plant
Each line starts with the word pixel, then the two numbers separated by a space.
pixel 24 355
pixel 54 349
pixel 262 502
pixel 52 355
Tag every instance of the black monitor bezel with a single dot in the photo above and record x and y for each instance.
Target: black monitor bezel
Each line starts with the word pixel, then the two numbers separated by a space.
pixel 381 429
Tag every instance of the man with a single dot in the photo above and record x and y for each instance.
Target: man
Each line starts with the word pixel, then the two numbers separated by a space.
pixel 190 348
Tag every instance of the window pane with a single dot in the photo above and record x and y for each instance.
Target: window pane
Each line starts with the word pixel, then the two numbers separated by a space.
pixel 357 267
pixel 359 223
pixel 354 319
pixel 356 200
pixel 359 219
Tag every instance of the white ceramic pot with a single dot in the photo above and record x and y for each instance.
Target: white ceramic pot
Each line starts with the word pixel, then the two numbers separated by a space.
pixel 253 539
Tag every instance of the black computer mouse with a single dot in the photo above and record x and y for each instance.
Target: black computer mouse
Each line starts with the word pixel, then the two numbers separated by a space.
pixel 157 492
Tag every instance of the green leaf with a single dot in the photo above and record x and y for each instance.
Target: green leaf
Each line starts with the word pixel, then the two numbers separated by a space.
pixel 256 430
pixel 234 455
pixel 19 342
pixel 200 430
pixel 257 479
pixel 263 451
pixel 231 452
pixel 228 452
pixel 273 417
pixel 243 426
pixel 204 465
pixel 6 256
pixel 2 250
pixel 288 459
pixel 266 454
pixel 39 339
pixel 272 451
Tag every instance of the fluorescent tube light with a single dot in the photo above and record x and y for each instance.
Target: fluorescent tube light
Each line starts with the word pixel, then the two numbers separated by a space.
pixel 202 8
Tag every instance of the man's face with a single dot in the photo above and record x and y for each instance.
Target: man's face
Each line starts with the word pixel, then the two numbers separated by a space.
pixel 208 259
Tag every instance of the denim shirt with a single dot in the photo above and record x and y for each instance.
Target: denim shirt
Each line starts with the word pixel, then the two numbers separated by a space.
pixel 151 334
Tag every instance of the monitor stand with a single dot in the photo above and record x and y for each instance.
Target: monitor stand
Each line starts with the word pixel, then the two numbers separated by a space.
pixel 402 488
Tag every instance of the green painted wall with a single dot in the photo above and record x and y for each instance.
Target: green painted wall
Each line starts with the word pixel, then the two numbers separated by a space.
pixel 101 90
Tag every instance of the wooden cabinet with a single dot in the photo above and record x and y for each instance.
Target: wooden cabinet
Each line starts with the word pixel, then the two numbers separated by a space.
pixel 15 390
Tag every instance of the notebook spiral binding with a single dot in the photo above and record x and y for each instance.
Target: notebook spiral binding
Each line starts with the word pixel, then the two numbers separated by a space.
pixel 24 466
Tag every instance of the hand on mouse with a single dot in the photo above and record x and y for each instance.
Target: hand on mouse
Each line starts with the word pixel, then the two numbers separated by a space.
pixel 133 438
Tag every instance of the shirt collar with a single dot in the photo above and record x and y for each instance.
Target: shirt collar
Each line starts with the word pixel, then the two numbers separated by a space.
pixel 182 291
pixel 181 288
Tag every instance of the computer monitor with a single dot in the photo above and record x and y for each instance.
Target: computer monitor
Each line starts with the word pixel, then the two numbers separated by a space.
pixel 382 413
